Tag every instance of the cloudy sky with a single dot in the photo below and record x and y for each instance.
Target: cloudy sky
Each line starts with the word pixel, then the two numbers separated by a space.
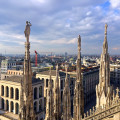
pixel 56 25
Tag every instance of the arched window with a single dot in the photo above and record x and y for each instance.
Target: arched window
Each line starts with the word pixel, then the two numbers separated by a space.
pixel 40 105
pixel 2 102
pixel 46 82
pixel 12 106
pixel 7 104
pixel 35 93
pixel 40 91
pixel 2 90
pixel 17 108
pixel 12 92
pixel 35 106
pixel 7 91
pixel 17 94
pixel 52 83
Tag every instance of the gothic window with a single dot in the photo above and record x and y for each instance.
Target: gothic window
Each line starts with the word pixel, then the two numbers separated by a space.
pixel 7 104
pixel 46 82
pixel 12 106
pixel 61 95
pixel 35 93
pixel 2 102
pixel 40 105
pixel 46 92
pixel 17 108
pixel 2 88
pixel 61 84
pixel 40 91
pixel 52 83
pixel 17 94
pixel 35 106
pixel 7 91
pixel 12 92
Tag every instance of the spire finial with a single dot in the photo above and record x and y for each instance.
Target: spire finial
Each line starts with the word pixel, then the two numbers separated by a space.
pixel 79 46
pixel 105 44
pixel 106 28
pixel 79 43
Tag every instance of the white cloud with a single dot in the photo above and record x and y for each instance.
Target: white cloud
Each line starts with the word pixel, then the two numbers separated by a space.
pixel 58 22
pixel 88 13
pixel 64 41
pixel 115 3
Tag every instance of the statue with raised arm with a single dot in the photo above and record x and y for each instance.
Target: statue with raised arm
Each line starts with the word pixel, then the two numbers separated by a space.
pixel 27 30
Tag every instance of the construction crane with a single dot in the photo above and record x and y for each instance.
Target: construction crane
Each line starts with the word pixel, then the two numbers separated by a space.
pixel 36 56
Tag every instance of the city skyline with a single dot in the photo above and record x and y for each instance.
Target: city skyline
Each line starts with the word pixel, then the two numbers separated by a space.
pixel 57 24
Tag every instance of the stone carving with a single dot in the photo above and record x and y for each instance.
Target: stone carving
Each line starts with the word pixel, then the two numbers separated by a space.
pixel 27 30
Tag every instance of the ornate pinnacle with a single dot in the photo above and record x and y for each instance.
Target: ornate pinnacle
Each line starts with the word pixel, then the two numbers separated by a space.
pixel 57 67
pixel 50 80
pixel 66 69
pixel 105 44
pixel 106 29
pixel 79 44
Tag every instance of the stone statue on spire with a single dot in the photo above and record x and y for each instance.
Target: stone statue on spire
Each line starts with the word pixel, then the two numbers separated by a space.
pixel 27 30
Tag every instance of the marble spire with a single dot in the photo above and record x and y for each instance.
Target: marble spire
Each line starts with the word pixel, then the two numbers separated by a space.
pixel 66 99
pixel 78 102
pixel 27 109
pixel 50 101
pixel 103 89
pixel 57 97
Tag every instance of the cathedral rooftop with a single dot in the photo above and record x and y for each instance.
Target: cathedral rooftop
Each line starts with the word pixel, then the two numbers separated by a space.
pixel 19 78
pixel 53 73
pixel 14 79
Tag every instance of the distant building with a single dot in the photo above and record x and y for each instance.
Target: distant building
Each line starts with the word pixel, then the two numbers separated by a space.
pixel 11 73
pixel 10 96
pixel 115 75
pixel 45 76
pixel 90 78
pixel 7 65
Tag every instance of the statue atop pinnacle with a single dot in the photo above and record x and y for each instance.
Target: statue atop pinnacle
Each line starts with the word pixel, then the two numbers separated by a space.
pixel 27 30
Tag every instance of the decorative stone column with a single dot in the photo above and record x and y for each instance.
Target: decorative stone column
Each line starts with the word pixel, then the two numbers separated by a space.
pixel 37 92
pixel 5 91
pixel 0 90
pixel 9 106
pixel 38 105
pixel 14 108
pixel 9 92
pixel 5 105
pixel 14 93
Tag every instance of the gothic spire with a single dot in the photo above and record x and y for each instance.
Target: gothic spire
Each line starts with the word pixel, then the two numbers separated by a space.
pixel 103 89
pixel 105 44
pixel 104 64
pixel 27 110
pixel 50 101
pixel 79 61
pixel 78 91
pixel 66 99
pixel 79 47
pixel 57 97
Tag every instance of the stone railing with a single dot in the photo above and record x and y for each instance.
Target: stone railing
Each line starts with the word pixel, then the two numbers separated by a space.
pixel 103 112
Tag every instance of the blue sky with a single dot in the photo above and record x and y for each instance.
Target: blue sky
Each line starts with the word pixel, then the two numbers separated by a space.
pixel 56 25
